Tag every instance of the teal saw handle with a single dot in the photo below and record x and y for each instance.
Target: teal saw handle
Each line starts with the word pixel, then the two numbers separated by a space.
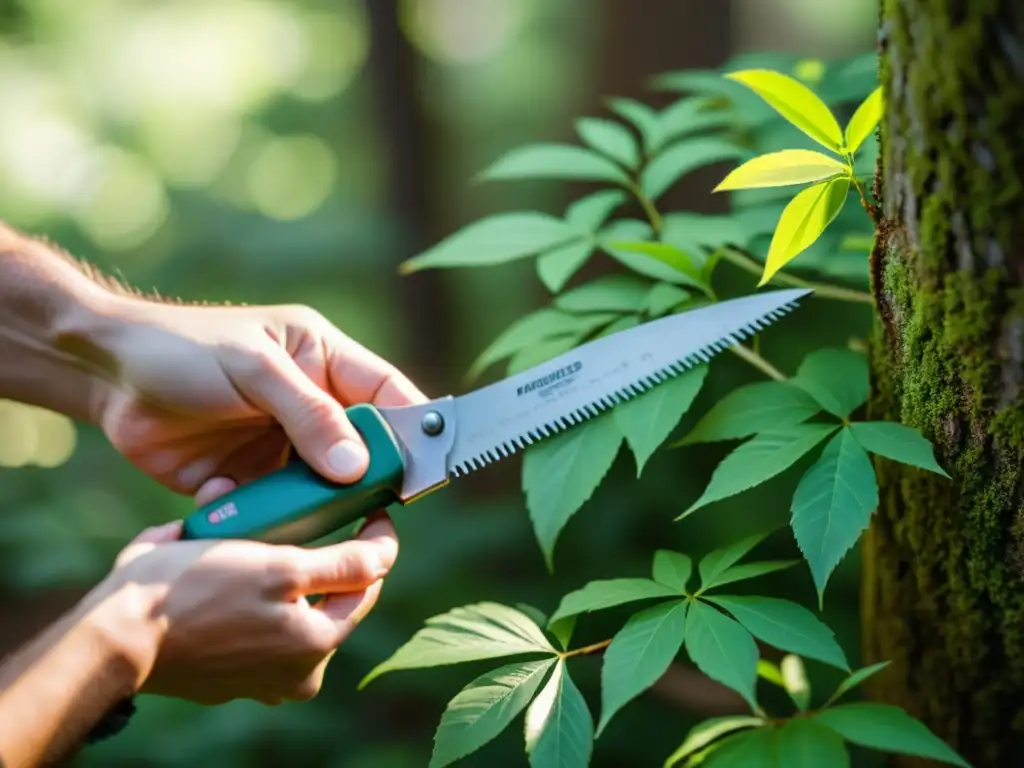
pixel 296 505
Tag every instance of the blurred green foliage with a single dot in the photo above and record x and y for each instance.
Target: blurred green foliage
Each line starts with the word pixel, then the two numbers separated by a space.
pixel 235 151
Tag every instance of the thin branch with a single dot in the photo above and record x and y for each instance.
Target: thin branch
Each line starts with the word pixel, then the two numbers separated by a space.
pixel 739 259
pixel 588 649
pixel 750 356
pixel 648 206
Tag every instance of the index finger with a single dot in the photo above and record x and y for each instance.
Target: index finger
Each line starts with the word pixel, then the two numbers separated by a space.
pixel 357 375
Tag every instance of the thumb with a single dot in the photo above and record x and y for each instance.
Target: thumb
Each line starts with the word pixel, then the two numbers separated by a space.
pixel 314 421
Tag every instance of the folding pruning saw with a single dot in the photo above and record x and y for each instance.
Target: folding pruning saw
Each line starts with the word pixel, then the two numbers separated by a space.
pixel 417 449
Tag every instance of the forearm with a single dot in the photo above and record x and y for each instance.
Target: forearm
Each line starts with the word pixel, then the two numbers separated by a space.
pixel 52 316
pixel 58 687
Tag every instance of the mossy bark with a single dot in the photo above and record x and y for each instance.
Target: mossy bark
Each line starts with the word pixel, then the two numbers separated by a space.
pixel 943 589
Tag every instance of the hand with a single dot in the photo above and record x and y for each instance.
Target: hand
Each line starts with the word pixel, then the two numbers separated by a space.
pixel 216 394
pixel 232 619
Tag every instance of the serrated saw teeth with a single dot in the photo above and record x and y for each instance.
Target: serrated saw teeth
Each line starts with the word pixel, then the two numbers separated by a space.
pixel 608 400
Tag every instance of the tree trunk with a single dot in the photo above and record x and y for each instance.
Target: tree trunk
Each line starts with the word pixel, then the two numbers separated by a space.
pixel 943 583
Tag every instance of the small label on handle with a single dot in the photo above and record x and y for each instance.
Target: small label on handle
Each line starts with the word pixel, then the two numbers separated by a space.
pixel 222 513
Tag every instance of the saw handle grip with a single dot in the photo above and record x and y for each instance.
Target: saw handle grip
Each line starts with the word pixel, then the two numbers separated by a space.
pixel 296 505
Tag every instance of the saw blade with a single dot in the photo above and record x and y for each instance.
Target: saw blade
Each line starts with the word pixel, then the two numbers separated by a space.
pixel 497 420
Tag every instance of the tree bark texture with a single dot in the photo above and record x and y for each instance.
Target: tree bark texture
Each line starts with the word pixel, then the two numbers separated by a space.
pixel 943 581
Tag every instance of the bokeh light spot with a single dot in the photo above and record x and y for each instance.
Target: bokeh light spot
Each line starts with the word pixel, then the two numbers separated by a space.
pixel 291 176
pixel 462 31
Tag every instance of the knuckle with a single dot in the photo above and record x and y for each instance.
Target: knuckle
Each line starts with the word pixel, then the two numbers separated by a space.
pixel 319 410
pixel 302 316
pixel 284 575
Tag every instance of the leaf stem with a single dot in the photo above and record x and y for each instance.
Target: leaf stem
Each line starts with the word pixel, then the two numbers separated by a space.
pixel 750 356
pixel 648 205
pixel 587 649
pixel 739 259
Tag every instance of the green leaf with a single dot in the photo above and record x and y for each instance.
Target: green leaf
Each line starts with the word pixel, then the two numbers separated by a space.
pixel 887 728
pixel 639 655
pixel 469 633
pixel 624 323
pixel 608 293
pixel 766 670
pixel 633 232
pixel 751 571
pixel 673 569
pixel 864 120
pixel 897 442
pixel 803 221
pixel 837 378
pixel 495 240
pixel 541 352
pixel 562 472
pixel 559 728
pixel 751 409
pixel 686 116
pixel 563 629
pixel 722 649
pixel 533 328
pixel 757 748
pixel 794 680
pixel 588 213
pixel 555 268
pixel 683 157
pixel 833 504
pixel 785 625
pixel 609 138
pixel 663 298
pixel 645 119
pixel 536 614
pixel 668 255
pixel 553 161
pixel 855 679
pixel 803 743
pixel 648 419
pixel 780 169
pixel 608 593
pixel 795 102
pixel 717 561
pixel 759 459
pixel 484 708
pixel 702 734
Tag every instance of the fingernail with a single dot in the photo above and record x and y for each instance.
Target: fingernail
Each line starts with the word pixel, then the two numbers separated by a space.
pixel 347 458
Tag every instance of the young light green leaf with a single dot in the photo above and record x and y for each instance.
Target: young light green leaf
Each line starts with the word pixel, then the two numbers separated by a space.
pixel 717 561
pixel 837 378
pixel 784 625
pixel 533 328
pixel 608 593
pixel 803 743
pixel 667 254
pixel 542 351
pixel 639 654
pixel 864 120
pixel 673 569
pixel 766 670
pixel 495 240
pixel 751 409
pixel 663 298
pixel 887 728
pixel 750 571
pixel 645 119
pixel 588 213
pixel 803 221
pixel 484 708
pixel 722 649
pixel 559 728
pixel 780 169
pixel 555 268
pixel 833 504
pixel 855 679
pixel 562 472
pixel 666 168
pixel 648 419
pixel 469 633
pixel 897 442
pixel 609 138
pixel 554 161
pixel 795 102
pixel 794 680
pixel 759 459
pixel 608 293
pixel 702 734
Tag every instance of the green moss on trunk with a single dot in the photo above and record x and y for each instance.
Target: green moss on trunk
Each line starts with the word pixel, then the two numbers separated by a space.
pixel 943 591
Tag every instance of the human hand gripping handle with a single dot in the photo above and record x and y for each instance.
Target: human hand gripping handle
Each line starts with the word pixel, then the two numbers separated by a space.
pixel 296 505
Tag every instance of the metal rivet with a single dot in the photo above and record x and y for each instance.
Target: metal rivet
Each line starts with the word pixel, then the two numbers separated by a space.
pixel 433 423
